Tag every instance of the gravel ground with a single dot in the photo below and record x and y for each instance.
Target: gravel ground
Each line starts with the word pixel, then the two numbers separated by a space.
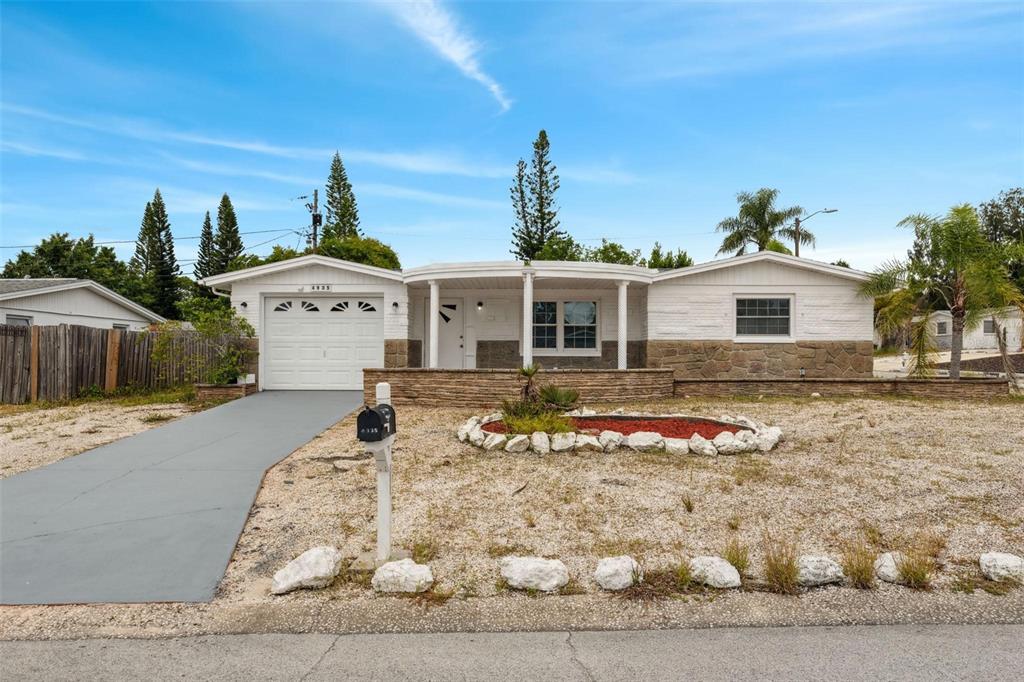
pixel 33 438
pixel 894 471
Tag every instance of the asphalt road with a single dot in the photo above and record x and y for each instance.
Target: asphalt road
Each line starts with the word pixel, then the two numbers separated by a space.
pixel 927 652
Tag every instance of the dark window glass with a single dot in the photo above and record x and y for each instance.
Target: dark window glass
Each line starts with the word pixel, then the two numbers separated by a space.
pixel 545 324
pixel 989 327
pixel 762 317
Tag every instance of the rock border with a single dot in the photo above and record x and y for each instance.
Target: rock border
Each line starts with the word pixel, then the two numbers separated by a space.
pixel 753 436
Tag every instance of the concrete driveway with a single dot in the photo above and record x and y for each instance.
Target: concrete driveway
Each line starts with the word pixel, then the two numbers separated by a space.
pixel 152 517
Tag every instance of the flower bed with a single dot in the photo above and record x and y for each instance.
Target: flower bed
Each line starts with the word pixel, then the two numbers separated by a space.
pixel 669 427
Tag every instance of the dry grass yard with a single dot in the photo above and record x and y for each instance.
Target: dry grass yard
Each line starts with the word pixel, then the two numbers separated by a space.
pixel 945 477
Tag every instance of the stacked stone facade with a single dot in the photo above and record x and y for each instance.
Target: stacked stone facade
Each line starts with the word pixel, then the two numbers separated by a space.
pixel 728 359
pixel 505 355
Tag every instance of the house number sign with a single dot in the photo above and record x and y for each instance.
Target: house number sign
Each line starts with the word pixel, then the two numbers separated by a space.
pixel 319 287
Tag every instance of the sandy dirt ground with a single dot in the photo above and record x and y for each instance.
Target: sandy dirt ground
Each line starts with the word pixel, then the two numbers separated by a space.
pixel 893 472
pixel 33 438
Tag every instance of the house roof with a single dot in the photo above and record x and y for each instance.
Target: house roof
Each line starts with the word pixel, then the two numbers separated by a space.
pixel 554 269
pixel 11 289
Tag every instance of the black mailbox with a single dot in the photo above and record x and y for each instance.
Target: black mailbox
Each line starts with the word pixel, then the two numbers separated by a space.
pixel 375 424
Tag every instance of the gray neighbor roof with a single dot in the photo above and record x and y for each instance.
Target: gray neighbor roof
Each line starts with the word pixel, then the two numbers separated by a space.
pixel 10 286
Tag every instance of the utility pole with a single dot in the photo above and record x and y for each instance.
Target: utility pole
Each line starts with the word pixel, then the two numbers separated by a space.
pixel 796 228
pixel 796 244
pixel 315 220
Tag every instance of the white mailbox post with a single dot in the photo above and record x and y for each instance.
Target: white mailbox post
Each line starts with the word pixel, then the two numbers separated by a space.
pixel 382 455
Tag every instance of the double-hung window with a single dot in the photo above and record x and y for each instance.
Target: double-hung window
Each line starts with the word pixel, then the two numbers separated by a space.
pixel 568 327
pixel 762 317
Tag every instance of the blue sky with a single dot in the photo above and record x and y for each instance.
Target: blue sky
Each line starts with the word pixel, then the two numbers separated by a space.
pixel 658 114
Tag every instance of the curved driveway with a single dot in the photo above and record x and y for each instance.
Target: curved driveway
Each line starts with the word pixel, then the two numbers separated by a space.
pixel 152 517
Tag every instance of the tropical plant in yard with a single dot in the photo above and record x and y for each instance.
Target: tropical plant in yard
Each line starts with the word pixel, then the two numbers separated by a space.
pixel 759 222
pixel 530 391
pixel 953 267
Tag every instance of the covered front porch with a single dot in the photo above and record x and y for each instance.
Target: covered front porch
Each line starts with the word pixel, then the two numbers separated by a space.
pixel 506 315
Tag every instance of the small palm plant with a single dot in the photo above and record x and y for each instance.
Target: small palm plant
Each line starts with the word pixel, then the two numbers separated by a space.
pixel 953 267
pixel 530 390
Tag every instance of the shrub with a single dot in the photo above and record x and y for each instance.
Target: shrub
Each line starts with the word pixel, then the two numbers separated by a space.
pixel 858 561
pixel 556 398
pixel 548 422
pixel 737 554
pixel 780 567
pixel 521 408
pixel 916 569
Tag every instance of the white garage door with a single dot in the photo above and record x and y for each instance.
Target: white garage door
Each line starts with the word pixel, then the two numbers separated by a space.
pixel 321 342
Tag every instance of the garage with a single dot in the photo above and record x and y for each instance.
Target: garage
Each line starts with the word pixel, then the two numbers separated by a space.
pixel 321 342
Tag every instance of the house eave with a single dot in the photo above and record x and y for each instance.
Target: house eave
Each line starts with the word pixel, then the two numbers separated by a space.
pixel 95 287
pixel 229 278
pixel 771 256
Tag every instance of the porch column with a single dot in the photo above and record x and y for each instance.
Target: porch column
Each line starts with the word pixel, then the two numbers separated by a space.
pixel 527 319
pixel 435 314
pixel 622 324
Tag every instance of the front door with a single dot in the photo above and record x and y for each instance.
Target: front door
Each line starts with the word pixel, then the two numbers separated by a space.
pixel 451 343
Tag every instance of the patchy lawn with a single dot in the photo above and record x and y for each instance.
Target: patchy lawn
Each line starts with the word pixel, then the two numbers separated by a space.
pixel 32 436
pixel 894 473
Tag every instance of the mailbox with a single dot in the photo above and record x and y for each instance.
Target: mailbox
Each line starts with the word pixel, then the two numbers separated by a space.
pixel 375 424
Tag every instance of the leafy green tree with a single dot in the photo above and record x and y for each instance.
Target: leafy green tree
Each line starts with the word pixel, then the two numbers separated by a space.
pixel 952 263
pixel 342 218
pixel 206 257
pixel 1002 219
pixel 363 250
pixel 758 222
pixel 561 247
pixel 533 201
pixel 778 247
pixel 227 242
pixel 60 256
pixel 667 260
pixel 612 252
pixel 841 263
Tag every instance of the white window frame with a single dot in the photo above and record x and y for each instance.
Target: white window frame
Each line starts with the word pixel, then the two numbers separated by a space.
pixel 756 338
pixel 941 328
pixel 560 349
pixel 26 318
pixel 985 323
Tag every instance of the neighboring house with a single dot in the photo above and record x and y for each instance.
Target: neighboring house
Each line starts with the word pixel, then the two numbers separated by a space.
pixel 982 337
pixel 320 320
pixel 69 301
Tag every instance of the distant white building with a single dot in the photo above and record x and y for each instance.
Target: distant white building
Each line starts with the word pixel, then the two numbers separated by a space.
pixel 982 337
pixel 70 301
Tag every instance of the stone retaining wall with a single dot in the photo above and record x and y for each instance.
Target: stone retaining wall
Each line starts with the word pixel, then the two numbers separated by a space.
pixel 867 388
pixel 223 391
pixel 487 387
pixel 727 359
pixel 505 355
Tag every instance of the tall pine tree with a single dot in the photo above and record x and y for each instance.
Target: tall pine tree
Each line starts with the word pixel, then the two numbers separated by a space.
pixel 164 267
pixel 342 218
pixel 530 236
pixel 227 243
pixel 206 259
pixel 147 244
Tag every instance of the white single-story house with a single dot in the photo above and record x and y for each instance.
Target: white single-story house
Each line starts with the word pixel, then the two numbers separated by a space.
pixel 321 321
pixel 45 301
pixel 983 336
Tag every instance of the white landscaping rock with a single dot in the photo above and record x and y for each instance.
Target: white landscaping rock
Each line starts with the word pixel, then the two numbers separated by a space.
pixel 645 441
pixel 677 446
pixel 886 567
pixel 818 570
pixel 560 442
pixel 588 443
pixel 610 440
pixel 495 441
pixel 477 436
pixel 714 571
pixel 767 438
pixel 587 412
pixel 617 573
pixel 748 439
pixel 467 427
pixel 314 568
pixel 699 445
pixel 726 444
pixel 533 573
pixel 540 443
pixel 519 443
pixel 402 576
pixel 1002 566
pixel 493 417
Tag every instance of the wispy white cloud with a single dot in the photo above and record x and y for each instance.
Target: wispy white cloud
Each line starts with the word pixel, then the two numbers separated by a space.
pixel 424 196
pixel 435 25
pixel 13 147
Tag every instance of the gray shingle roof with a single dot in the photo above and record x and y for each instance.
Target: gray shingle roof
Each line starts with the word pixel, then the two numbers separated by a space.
pixel 10 286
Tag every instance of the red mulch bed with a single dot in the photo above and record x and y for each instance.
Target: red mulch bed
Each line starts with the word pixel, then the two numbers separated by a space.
pixel 670 427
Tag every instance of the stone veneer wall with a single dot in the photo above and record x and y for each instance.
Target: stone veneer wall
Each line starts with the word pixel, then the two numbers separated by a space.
pixel 487 387
pixel 505 355
pixel 727 359
pixel 918 388
pixel 396 353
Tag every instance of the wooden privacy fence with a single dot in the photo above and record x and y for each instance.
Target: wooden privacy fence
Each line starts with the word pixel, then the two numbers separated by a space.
pixel 63 362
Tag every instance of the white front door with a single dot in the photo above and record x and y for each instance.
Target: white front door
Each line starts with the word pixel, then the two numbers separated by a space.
pixel 319 342
pixel 451 331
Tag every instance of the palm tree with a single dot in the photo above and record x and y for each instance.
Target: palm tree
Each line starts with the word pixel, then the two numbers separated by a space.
pixel 759 222
pixel 952 266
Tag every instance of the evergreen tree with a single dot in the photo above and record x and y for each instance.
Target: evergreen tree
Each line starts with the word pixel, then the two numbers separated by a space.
pixel 525 245
pixel 342 218
pixel 147 244
pixel 227 243
pixel 533 202
pixel 206 259
pixel 163 265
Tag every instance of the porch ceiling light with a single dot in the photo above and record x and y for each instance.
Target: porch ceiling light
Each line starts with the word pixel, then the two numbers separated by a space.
pixel 479 305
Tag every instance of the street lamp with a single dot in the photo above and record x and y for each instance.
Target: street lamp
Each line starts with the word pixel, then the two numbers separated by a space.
pixel 798 220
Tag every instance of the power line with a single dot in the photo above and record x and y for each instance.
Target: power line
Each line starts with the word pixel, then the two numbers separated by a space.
pixel 132 241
